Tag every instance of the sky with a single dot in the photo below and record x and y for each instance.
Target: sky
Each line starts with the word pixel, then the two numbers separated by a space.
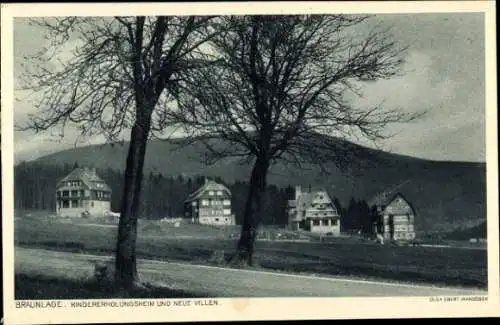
pixel 443 74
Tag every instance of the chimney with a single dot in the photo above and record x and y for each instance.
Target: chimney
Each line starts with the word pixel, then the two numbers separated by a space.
pixel 297 191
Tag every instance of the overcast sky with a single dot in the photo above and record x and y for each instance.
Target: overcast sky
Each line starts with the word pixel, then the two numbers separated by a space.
pixel 444 74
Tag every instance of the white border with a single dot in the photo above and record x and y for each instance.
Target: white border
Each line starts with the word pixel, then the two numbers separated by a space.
pixel 254 308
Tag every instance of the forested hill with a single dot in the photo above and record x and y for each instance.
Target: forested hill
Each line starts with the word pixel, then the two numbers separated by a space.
pixel 444 194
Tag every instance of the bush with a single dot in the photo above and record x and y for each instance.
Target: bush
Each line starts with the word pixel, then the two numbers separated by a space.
pixel 104 272
pixel 218 257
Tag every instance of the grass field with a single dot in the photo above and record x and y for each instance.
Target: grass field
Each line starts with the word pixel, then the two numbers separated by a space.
pixel 197 244
pixel 43 287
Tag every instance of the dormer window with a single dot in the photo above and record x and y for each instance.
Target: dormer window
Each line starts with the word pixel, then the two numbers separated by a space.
pixel 211 193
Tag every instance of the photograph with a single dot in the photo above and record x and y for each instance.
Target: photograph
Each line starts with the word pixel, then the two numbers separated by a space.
pixel 172 158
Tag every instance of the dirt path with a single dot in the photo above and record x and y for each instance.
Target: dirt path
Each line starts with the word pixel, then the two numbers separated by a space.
pixel 225 282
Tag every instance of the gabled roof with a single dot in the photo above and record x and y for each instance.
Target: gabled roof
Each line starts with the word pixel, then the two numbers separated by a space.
pixel 305 199
pixel 387 196
pixel 208 186
pixel 88 176
pixel 384 199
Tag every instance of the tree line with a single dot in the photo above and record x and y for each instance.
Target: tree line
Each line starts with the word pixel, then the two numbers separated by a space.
pixel 163 195
pixel 35 185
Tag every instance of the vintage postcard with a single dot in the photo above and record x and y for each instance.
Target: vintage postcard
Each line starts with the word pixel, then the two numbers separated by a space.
pixel 223 161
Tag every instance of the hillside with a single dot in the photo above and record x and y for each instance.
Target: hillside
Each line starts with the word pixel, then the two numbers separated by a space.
pixel 445 194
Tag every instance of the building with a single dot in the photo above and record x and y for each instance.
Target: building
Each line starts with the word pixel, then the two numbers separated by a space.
pixel 394 217
pixel 313 211
pixel 82 193
pixel 210 204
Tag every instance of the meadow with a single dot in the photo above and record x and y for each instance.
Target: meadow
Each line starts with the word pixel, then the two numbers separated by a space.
pixel 341 257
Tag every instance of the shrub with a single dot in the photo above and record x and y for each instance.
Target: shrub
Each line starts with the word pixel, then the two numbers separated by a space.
pixel 104 272
pixel 218 257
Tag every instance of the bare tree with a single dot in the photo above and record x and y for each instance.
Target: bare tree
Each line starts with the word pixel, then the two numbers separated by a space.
pixel 281 86
pixel 120 77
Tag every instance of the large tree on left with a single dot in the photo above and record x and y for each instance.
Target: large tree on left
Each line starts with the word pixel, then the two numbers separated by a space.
pixel 109 76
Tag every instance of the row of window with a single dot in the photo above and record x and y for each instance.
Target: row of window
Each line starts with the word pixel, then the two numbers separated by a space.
pixel 318 214
pixel 214 212
pixel 399 218
pixel 403 228
pixel 216 219
pixel 212 193
pixel 404 235
pixel 65 204
pixel 324 222
pixel 99 184
pixel 213 202
pixel 74 183
pixel 77 183
pixel 75 193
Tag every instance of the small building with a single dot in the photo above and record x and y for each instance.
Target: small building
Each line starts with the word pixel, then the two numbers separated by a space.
pixel 394 217
pixel 82 193
pixel 313 211
pixel 210 205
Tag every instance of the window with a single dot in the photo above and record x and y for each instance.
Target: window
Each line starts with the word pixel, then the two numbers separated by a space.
pixel 334 222
pixel 74 193
pixel 315 222
pixel 216 219
pixel 82 193
pixel 325 222
pixel 211 193
pixel 219 192
pixel 74 203
pixel 65 193
pixel 65 204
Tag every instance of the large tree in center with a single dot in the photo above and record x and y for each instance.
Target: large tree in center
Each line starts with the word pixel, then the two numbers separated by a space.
pixel 283 83
pixel 115 75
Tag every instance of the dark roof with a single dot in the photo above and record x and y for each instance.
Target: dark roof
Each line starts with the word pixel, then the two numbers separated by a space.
pixel 385 197
pixel 88 176
pixel 305 199
pixel 208 186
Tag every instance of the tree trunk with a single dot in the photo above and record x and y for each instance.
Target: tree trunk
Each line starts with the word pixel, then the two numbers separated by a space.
pixel 125 263
pixel 253 210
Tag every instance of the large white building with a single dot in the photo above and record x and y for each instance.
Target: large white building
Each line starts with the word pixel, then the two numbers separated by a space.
pixel 82 193
pixel 210 204
pixel 313 211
